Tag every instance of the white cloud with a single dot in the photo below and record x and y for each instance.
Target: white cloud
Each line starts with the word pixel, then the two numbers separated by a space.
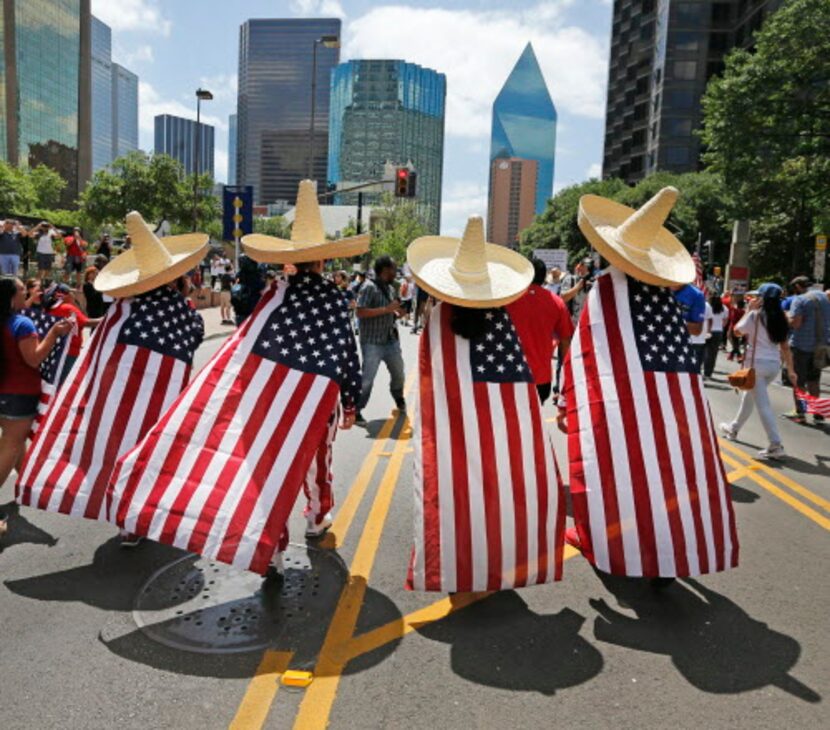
pixel 151 104
pixel 220 164
pixel 140 15
pixel 311 8
pixel 478 49
pixel 460 200
pixel 223 87
pixel 132 56
pixel 594 171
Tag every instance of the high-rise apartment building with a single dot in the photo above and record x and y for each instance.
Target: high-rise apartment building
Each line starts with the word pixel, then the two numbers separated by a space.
pixel 512 205
pixel 178 138
pixel 232 141
pixel 523 128
pixel 45 88
pixel 663 52
pixel 124 111
pixel 388 111
pixel 276 74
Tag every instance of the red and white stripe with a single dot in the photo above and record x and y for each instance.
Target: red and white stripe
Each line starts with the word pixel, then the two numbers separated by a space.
pixel 219 474
pixel 112 396
pixel 814 405
pixel 489 504
pixel 650 494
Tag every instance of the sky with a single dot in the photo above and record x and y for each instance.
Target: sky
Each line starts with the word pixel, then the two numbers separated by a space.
pixel 179 45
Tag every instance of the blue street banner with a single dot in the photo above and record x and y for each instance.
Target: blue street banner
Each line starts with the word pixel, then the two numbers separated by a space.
pixel 237 211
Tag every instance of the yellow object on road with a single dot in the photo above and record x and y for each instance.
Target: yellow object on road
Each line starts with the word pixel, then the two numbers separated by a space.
pixel 295 678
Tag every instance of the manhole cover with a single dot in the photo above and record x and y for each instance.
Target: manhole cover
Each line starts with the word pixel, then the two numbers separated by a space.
pixel 198 605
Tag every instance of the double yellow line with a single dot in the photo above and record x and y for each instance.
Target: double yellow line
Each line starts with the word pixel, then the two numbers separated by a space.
pixel 766 477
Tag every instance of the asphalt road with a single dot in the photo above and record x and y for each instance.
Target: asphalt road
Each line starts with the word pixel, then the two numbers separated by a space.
pixel 746 648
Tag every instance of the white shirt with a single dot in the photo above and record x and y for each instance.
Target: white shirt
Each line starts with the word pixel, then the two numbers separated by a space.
pixel 765 349
pixel 718 320
pixel 44 243
pixel 704 333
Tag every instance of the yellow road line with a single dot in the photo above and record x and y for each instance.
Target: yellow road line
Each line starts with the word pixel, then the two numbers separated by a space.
pixel 253 710
pixel 796 504
pixel 318 700
pixel 736 474
pixel 779 477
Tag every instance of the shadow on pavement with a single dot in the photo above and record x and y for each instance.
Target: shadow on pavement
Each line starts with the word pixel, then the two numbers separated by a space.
pixel 817 468
pixel 21 531
pixel 713 642
pixel 742 495
pixel 500 642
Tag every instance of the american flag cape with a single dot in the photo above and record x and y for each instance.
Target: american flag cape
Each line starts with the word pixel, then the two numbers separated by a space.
pixel 649 491
pixel 52 366
pixel 220 472
pixel 813 404
pixel 489 503
pixel 137 362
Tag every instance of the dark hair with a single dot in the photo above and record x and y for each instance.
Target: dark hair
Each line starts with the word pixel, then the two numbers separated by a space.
pixel 775 320
pixel 383 262
pixel 467 322
pixel 716 303
pixel 802 281
pixel 540 271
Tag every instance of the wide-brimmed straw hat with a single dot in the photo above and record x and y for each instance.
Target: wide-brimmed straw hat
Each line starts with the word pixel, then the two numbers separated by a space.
pixel 150 261
pixel 308 237
pixel 468 271
pixel 636 241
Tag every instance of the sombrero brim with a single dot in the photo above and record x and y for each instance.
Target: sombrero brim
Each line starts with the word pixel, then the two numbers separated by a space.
pixel 509 274
pixel 272 250
pixel 121 277
pixel 666 262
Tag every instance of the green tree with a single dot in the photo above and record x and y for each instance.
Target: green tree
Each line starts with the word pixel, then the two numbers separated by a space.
pixel 273 226
pixel 767 132
pixel 17 194
pixel 395 224
pixel 47 186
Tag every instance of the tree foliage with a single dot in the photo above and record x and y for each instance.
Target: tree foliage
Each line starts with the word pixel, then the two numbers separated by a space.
pixel 767 132
pixel 24 190
pixel 395 224
pixel 273 226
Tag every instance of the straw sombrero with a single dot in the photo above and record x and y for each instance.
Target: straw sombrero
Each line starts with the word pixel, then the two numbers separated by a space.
pixel 635 241
pixel 308 239
pixel 468 271
pixel 150 261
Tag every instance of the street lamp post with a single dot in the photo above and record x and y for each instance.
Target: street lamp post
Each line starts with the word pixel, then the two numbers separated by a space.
pixel 329 41
pixel 201 95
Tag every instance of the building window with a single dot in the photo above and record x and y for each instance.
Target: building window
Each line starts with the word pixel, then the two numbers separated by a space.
pixel 636 164
pixel 638 137
pixel 679 99
pixel 688 14
pixel 677 155
pixel 718 41
pixel 678 127
pixel 685 70
pixel 686 41
pixel 721 13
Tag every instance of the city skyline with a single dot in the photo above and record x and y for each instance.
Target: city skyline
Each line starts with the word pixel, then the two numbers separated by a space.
pixel 176 136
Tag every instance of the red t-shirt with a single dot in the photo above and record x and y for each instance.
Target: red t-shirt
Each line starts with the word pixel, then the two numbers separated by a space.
pixel 16 376
pixel 74 246
pixel 540 317
pixel 65 309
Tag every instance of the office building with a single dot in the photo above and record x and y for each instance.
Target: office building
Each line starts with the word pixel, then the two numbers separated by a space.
pixel 102 106
pixel 45 88
pixel 388 110
pixel 523 129
pixel 178 138
pixel 663 52
pixel 276 60
pixel 232 149
pixel 512 204
pixel 124 111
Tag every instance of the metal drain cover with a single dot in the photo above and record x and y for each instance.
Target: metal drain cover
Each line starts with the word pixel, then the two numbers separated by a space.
pixel 198 605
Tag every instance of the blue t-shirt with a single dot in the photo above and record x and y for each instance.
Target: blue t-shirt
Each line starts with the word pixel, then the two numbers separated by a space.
pixel 20 326
pixel 692 303
pixel 806 306
pixel 787 302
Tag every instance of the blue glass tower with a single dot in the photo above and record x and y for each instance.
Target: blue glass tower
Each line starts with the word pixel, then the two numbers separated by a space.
pixel 232 149
pixel 388 111
pixel 524 123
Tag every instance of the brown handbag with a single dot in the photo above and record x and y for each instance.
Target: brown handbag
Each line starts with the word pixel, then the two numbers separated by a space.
pixel 744 379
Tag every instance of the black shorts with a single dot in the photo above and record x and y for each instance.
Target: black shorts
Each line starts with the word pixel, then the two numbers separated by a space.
pixel 805 367
pixel 45 261
pixel 17 407
pixel 74 263
pixel 423 295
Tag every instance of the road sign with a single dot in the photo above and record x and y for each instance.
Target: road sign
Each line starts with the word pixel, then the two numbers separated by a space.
pixel 240 217
pixel 553 257
pixel 820 259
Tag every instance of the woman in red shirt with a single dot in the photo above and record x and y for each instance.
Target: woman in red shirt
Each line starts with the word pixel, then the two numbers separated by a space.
pixel 21 352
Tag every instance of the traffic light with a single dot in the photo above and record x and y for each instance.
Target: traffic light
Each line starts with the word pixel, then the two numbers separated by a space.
pixel 405 182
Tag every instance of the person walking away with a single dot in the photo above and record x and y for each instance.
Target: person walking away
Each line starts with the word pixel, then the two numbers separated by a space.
pixel 226 283
pixel 716 324
pixel 247 290
pixel 76 248
pixel 57 300
pixel 407 292
pixel 540 318
pixel 809 338
pixel 378 309
pixel 575 288
pixel 736 313
pixel 95 306
pixel 765 327
pixel 11 247
pixel 21 353
pixel 45 236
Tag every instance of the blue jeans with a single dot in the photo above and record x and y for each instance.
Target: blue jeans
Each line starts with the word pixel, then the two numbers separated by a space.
pixel 9 264
pixel 373 355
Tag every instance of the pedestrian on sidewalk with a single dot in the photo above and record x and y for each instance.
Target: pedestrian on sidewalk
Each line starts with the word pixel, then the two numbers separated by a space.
pixel 45 236
pixel 76 248
pixel 226 284
pixel 736 314
pixel 378 309
pixel 715 325
pixel 765 327
pixel 11 247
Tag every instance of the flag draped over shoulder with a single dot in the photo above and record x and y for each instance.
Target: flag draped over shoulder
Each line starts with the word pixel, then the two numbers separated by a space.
pixel 650 495
pixel 219 474
pixel 489 505
pixel 136 364
pixel 52 365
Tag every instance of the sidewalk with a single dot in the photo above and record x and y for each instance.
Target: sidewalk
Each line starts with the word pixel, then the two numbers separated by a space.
pixel 213 324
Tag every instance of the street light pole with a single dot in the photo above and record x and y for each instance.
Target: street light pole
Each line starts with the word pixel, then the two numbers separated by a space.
pixel 329 41
pixel 207 96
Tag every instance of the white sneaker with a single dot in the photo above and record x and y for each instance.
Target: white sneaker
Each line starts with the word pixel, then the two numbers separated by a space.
pixel 728 432
pixel 314 530
pixel 773 451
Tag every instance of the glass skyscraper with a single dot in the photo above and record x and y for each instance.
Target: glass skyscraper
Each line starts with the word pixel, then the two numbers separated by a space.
pixel 102 106
pixel 176 137
pixel 524 123
pixel 274 104
pixel 124 111
pixel 388 110
pixel 45 87
pixel 232 149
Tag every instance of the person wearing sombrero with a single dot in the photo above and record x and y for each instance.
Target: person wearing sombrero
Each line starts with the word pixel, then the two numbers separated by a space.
pixel 221 471
pixel 649 492
pixel 137 362
pixel 489 505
